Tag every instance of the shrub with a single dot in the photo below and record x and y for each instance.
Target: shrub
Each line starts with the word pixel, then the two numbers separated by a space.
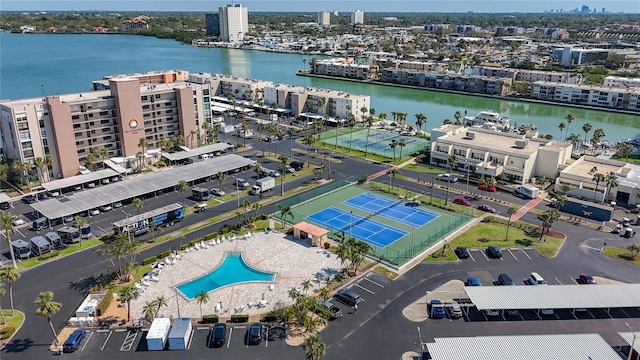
pixel 165 254
pixel 184 246
pixel 224 230
pixel 159 164
pixel 149 260
pixel 210 319
pixel 269 317
pixel 263 217
pixel 104 304
pixel 240 318
pixel 212 235
pixel 327 245
pixel 50 255
pixel 6 332
pixel 194 242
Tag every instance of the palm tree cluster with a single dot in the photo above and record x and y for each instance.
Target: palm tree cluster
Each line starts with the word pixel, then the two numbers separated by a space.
pixel 249 213
pixel 547 219
pixel 121 253
pixel 152 308
pixel 352 253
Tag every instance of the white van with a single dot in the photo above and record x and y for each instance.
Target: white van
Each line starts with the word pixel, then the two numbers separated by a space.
pixel 536 279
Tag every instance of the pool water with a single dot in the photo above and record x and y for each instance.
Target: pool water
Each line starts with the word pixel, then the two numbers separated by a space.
pixel 233 270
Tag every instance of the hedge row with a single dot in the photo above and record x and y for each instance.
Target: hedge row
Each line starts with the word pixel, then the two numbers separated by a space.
pixel 239 318
pixel 50 255
pixel 210 319
pixel 149 260
pixel 104 304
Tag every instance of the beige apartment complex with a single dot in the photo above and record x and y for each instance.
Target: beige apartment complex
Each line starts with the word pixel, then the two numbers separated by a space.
pixel 618 98
pixel 123 109
pixel 516 158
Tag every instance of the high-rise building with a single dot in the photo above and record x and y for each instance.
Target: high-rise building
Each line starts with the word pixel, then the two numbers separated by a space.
pixel 324 18
pixel 234 22
pixel 212 22
pixel 357 17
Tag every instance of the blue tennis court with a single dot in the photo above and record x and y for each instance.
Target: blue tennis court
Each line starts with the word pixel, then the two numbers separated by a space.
pixel 389 209
pixel 364 229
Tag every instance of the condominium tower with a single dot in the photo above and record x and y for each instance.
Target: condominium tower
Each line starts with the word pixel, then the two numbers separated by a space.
pixel 357 17
pixel 324 18
pixel 233 22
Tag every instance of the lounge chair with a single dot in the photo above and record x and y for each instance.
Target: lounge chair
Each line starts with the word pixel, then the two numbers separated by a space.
pixel 197 246
pixel 203 245
pixel 272 287
pixel 168 261
pixel 154 278
pixel 139 287
pixel 212 242
pixel 219 241
pixel 145 283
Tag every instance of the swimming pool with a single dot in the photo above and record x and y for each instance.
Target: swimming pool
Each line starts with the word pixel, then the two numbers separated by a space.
pixel 233 270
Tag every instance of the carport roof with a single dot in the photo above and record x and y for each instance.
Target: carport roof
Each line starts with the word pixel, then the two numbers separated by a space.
pixel 523 347
pixel 629 338
pixel 554 296
pixel 79 179
pixel 92 198
pixel 181 155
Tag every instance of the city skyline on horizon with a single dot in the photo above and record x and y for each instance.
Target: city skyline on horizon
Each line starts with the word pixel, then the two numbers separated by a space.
pixel 406 6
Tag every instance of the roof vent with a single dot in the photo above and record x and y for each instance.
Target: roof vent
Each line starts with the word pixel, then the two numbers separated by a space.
pixel 521 143
pixel 471 135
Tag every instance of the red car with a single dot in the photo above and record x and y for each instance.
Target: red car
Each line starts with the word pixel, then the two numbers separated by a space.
pixel 487 208
pixel 487 188
pixel 586 279
pixel 462 201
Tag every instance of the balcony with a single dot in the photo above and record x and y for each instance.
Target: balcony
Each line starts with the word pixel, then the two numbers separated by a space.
pixel 489 168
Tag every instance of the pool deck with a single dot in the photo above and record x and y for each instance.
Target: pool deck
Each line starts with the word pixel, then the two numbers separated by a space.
pixel 292 261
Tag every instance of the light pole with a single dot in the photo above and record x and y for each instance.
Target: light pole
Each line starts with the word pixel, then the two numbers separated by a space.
pixel 237 190
pixel 420 338
pixel 633 341
pixel 350 223
pixel 413 245
pixel 467 162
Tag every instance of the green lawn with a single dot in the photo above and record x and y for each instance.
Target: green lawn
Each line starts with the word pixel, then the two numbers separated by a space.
pixel 435 257
pixel 385 272
pixel 485 234
pixel 619 254
pixel 12 322
pixel 70 249
pixel 424 168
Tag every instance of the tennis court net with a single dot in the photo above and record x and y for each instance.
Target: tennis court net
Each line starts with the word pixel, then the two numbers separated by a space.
pixel 360 220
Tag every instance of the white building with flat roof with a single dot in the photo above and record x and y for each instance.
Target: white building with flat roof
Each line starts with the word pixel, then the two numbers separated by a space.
pixel 580 174
pixel 515 158
pixel 234 22
pixel 621 82
pixel 357 17
pixel 324 18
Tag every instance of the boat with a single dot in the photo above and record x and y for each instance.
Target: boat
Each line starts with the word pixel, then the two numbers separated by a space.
pixel 489 116
pixel 527 127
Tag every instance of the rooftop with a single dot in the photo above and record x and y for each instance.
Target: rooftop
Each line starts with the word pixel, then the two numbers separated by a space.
pixel 588 166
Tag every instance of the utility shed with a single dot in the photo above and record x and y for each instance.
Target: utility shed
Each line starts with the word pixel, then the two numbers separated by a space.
pixel 180 334
pixel 157 335
pixel 525 347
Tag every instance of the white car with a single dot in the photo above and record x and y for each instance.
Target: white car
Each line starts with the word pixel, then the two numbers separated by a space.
pixel 546 311
pixel 18 222
pixel 105 208
pixel 217 192
pixel 491 312
pixel 94 212
pixel 117 204
pixel 447 177
pixel 68 219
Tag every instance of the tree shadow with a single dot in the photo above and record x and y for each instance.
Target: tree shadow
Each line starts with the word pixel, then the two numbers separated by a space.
pixel 19 345
pixel 524 242
pixel 83 285
pixel 484 240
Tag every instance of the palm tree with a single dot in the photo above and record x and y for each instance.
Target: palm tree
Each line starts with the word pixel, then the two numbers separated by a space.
pixel 369 124
pixel 624 149
pixel 351 122
pixel 314 348
pixel 193 137
pixel 306 285
pixel 48 163
pixel 160 301
pixel 285 211
pixel 79 222
pixel 309 140
pixel 446 121
pixel 392 173
pixel 222 176
pixel 457 116
pixel 569 119
pixel 48 308
pixel 245 127
pixel 7 224
pixel 2 292
pixel 143 144
pixel 283 170
pixel 202 298
pixel 561 126
pixel 597 178
pixel 611 181
pixel 139 157
pixel 586 128
pixel 104 152
pixel 401 144
pixel 393 145
pixel 511 211
pixel 453 163
pixel 324 294
pixel 24 168
pixel 127 294
pixel 138 204
pixel 420 120
pixel 182 186
pixel 10 275
pixel 149 310
pixel 574 139
pixel 548 218
pixel 39 164
pixel 290 133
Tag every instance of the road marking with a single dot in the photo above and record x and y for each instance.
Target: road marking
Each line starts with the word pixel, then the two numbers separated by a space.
pixel 371 281
pixel 127 344
pixel 20 232
pixel 559 282
pixel 525 254
pixel 190 339
pixel 87 341
pixel 120 330
pixel 103 331
pixel 106 340
pixel 590 247
pixel 485 255
pixel 202 328
pixel 365 289
pixel 103 230
pixel 229 340
pixel 574 280
pixel 471 256
pixel 509 250
pixel 266 338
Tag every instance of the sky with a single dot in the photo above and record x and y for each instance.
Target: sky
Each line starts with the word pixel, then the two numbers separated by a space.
pixel 628 6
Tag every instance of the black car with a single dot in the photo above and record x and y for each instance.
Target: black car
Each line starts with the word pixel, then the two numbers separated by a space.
pixel 487 208
pixel 462 252
pixel 29 199
pixel 347 297
pixel 494 251
pixel 217 336
pixel 254 334
pixel 5 206
pixel 297 165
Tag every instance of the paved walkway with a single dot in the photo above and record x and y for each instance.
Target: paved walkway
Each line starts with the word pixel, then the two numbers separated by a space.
pixel 384 172
pixel 291 260
pixel 524 209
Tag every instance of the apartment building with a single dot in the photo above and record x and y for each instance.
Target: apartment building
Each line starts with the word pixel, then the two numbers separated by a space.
pixel 212 23
pixel 134 24
pixel 343 67
pixel 467 28
pixel 621 82
pixel 448 81
pixel 357 17
pixel 527 75
pixel 435 27
pixel 324 18
pixel 233 22
pixel 301 100
pixel 579 177
pixel 570 56
pixel 412 65
pixel 617 98
pixel 515 158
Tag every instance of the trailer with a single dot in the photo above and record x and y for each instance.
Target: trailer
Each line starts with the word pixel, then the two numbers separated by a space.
pixel 180 334
pixel 200 194
pixel 140 224
pixel 158 333
pixel 262 185
pixel 21 249
pixel 528 191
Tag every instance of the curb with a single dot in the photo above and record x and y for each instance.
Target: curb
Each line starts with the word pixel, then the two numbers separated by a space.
pixel 7 341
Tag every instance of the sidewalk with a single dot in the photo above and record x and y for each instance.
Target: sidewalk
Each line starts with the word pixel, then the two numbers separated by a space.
pixel 524 209
pixel 383 172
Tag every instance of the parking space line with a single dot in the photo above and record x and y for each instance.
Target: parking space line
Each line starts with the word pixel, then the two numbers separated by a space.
pixel 559 282
pixel 525 254
pixel 87 341
pixel 364 288
pixel 574 280
pixel 202 328
pixel 120 330
pixel 106 340
pixel 127 344
pixel 485 255
pixel 471 256
pixel 622 309
pixel 229 340
pixel 266 338
pixel 371 281
pixel 509 250
pixel 190 339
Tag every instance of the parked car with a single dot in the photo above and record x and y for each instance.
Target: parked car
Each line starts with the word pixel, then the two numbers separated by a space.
pixel 297 165
pixel 491 312
pixel 334 311
pixel 68 219
pixel 53 193
pixel 117 204
pixel 504 279
pixel 512 312
pixel 94 212
pixel 437 309
pixel 462 252
pixel 494 251
pixel 29 199
pixel 536 279
pixel 43 196
pixel 454 310
pixel 347 297
pixel 289 169
pixel 217 336
pixel 546 311
pixel 91 185
pixel 448 178
pixel 242 183
pixel 473 281
pixel 217 192
pixel 484 187
pixel 105 208
pixel 462 201
pixel 74 340
pixel 586 279
pixel 18 222
pixel 254 334
pixel 4 206
pixel 487 208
